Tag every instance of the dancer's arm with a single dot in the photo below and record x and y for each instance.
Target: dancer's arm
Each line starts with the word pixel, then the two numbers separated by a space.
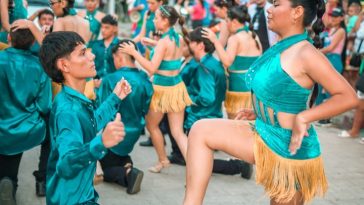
pixel 226 57
pixel 343 98
pixel 74 154
pixel 5 15
pixel 26 24
pixel 151 66
pixel 143 30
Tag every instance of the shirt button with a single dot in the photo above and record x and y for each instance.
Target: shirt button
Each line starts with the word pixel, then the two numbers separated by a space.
pixel 89 162
pixel 103 152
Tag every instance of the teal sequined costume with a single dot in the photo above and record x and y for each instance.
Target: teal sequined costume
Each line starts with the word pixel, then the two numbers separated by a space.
pixel 238 95
pixel 170 92
pixel 274 91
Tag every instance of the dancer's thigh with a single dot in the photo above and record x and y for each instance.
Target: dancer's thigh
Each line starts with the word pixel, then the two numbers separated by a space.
pixel 233 137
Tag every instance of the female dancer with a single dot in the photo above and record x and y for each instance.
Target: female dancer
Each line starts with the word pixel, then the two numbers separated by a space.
pixel 11 10
pixel 170 93
pixel 148 25
pixel 94 16
pixel 221 8
pixel 242 50
pixel 283 144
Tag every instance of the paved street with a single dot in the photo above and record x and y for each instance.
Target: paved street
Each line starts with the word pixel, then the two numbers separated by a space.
pixel 344 163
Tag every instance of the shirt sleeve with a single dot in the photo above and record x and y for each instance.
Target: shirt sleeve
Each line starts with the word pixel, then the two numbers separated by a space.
pixel 108 108
pixel 74 154
pixel 206 95
pixel 44 99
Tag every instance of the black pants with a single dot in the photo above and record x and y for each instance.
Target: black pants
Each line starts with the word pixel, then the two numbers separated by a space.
pixel 9 167
pixel 45 149
pixel 115 168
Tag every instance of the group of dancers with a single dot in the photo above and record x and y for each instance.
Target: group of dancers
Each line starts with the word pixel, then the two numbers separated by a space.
pixel 99 112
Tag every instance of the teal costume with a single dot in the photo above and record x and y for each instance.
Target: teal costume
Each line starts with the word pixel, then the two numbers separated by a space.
pixel 26 97
pixel 76 147
pixel 170 93
pixel 104 61
pixel 237 72
pixel 18 12
pixel 207 91
pixel 276 90
pixel 273 89
pixel 150 27
pixel 95 25
pixel 189 71
pixel 133 108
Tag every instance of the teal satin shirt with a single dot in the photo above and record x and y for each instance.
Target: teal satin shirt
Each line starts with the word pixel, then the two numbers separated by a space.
pixel 207 91
pixel 133 108
pixel 26 96
pixel 74 124
pixel 104 61
pixel 188 71
pixel 274 89
pixel 150 27
pixel 95 25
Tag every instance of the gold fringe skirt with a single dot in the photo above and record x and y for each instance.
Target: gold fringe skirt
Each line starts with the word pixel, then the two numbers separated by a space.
pixel 235 101
pixel 282 178
pixel 167 99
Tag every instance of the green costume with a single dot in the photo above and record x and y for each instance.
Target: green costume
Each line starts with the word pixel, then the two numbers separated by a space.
pixel 74 124
pixel 274 91
pixel 133 108
pixel 95 25
pixel 207 91
pixel 26 97
pixel 104 60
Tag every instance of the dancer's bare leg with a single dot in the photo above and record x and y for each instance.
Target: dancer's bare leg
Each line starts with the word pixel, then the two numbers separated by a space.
pixel 152 122
pixel 175 120
pixel 297 200
pixel 230 136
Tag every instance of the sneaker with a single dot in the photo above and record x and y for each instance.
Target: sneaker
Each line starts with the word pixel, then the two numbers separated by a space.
pixel 40 188
pixel 345 134
pixel 361 140
pixel 7 192
pixel 146 143
pixel 176 159
pixel 134 180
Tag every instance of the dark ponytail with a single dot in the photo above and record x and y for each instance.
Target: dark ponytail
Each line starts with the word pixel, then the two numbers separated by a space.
pixel 181 22
pixel 172 15
pixel 319 26
pixel 241 14
pixel 70 5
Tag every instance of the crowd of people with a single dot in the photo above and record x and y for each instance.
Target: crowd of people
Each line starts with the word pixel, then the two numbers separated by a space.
pixel 70 84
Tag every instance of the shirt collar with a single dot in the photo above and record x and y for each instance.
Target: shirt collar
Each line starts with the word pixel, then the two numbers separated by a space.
pixel 74 93
pixel 18 51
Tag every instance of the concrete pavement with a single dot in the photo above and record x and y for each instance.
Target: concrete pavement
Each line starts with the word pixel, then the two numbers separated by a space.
pixel 344 163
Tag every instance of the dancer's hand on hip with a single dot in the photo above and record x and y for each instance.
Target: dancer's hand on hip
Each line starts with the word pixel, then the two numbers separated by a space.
pixel 299 130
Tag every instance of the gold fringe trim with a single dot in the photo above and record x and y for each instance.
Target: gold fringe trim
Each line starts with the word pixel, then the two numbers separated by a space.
pixel 167 99
pixel 282 177
pixel 235 101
